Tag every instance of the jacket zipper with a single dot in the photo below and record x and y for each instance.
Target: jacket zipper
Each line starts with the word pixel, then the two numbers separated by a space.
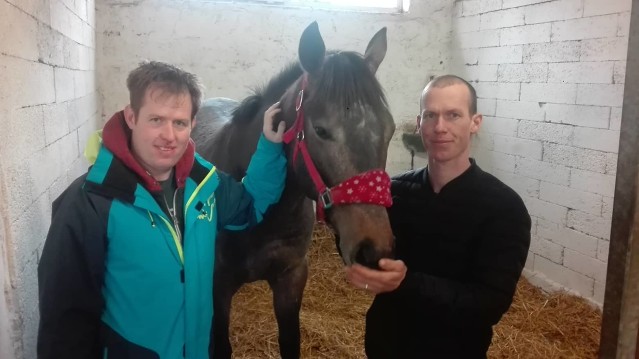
pixel 176 239
pixel 173 214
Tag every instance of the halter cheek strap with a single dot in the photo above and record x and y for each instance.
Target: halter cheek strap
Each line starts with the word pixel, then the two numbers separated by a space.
pixel 371 187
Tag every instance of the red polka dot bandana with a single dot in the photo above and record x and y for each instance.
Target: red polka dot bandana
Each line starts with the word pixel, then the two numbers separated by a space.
pixel 372 187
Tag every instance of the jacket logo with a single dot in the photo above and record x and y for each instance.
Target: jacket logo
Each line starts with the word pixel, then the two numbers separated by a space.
pixel 206 210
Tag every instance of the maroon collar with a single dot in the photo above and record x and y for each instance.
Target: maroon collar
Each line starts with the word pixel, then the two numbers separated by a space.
pixel 116 137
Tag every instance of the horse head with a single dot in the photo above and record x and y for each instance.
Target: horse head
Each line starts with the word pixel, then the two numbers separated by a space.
pixel 346 127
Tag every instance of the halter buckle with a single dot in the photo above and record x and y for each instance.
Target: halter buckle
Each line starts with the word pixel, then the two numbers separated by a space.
pixel 326 199
pixel 300 98
pixel 300 136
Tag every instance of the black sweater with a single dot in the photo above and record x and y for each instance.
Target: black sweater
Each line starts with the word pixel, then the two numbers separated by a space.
pixel 465 248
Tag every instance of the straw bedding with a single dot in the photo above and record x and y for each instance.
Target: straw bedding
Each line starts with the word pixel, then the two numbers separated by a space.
pixel 538 325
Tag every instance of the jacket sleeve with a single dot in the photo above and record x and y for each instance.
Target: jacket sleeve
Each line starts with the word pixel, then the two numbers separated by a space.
pixel 243 204
pixel 70 277
pixel 495 270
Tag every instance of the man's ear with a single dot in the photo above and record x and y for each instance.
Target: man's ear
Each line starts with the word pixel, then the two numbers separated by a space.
pixel 129 116
pixel 476 123
pixel 193 122
pixel 418 123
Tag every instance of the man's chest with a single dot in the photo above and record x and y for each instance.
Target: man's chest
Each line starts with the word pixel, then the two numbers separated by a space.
pixel 436 236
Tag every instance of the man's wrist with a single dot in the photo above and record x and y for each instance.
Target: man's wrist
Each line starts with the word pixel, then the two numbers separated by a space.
pixel 265 144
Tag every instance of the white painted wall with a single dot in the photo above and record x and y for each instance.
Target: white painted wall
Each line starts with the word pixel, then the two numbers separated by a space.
pixel 550 77
pixel 235 47
pixel 48 105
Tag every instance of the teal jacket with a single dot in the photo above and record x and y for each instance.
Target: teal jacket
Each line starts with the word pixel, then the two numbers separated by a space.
pixel 115 281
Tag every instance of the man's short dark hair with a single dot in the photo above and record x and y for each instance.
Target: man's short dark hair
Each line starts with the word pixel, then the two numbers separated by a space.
pixel 448 80
pixel 166 77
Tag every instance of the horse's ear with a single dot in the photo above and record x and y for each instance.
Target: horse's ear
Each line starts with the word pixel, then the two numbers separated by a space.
pixel 312 49
pixel 376 50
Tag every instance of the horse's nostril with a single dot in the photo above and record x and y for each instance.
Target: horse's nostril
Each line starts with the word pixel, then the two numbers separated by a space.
pixel 366 254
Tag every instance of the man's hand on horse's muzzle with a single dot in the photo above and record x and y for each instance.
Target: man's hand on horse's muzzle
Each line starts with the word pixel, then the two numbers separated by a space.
pixel 386 279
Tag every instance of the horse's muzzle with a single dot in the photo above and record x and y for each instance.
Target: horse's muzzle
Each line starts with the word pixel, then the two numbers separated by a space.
pixel 367 255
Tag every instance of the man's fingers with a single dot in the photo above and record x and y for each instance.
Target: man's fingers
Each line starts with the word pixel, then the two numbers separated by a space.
pixel 274 135
pixel 391 265
pixel 280 128
pixel 273 106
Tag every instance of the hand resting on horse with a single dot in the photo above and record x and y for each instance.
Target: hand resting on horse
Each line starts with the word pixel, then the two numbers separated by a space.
pixel 269 117
pixel 387 279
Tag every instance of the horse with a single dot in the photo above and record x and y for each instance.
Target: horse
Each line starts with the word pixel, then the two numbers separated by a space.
pixel 345 129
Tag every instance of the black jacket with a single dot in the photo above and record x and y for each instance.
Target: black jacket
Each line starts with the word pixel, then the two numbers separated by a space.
pixel 465 248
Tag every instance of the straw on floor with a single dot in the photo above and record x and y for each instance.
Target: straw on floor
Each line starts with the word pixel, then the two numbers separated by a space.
pixel 538 325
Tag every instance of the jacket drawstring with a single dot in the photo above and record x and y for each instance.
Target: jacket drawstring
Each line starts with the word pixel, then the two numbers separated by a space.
pixel 151 218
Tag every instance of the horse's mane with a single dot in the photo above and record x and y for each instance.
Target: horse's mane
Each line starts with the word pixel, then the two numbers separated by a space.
pixel 270 93
pixel 345 80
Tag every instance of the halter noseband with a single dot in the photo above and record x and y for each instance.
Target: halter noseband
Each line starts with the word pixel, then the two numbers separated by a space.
pixel 370 187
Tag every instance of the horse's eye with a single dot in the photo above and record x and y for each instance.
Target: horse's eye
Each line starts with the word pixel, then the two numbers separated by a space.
pixel 322 133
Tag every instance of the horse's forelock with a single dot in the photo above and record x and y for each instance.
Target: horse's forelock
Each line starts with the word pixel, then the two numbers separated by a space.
pixel 346 80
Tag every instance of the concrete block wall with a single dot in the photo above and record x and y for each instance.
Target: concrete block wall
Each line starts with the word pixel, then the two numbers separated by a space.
pixel 235 47
pixel 550 78
pixel 48 105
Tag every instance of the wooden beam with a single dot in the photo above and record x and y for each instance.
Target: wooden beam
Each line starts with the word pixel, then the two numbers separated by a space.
pixel 621 301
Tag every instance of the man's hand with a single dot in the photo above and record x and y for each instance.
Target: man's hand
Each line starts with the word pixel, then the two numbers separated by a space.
pixel 387 279
pixel 269 117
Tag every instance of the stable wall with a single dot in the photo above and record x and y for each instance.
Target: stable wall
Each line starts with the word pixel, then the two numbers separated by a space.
pixel 550 78
pixel 48 107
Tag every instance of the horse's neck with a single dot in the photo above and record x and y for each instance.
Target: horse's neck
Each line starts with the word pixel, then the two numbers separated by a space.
pixel 293 193
pixel 254 129
pixel 292 216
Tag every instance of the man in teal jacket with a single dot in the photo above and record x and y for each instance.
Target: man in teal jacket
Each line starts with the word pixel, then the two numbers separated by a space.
pixel 127 266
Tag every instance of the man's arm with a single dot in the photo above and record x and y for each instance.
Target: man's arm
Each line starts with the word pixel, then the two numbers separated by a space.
pixel 70 277
pixel 241 205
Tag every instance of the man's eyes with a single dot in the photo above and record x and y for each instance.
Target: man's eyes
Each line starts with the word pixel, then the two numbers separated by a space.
pixel 178 123
pixel 452 115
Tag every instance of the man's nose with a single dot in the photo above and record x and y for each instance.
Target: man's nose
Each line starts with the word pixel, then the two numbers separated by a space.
pixel 168 132
pixel 440 124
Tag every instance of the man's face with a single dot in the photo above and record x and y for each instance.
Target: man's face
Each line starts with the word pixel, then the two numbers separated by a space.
pixel 446 124
pixel 161 130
